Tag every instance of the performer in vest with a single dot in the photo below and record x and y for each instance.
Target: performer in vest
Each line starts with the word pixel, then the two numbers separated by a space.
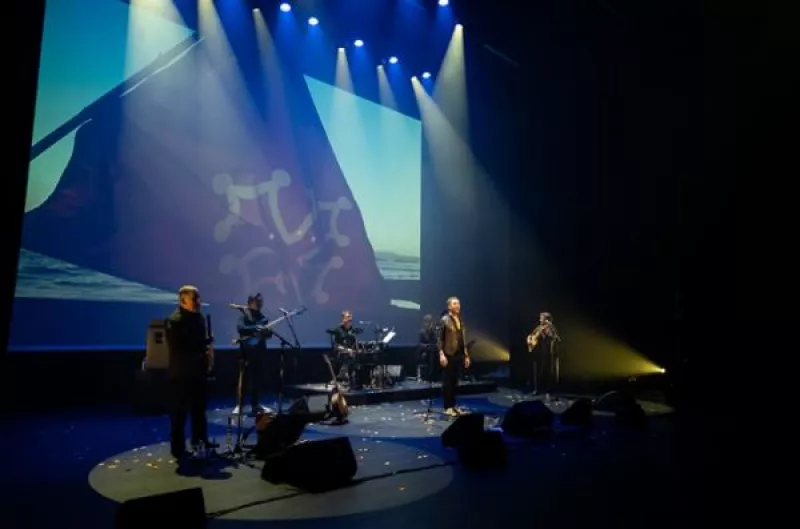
pixel 453 353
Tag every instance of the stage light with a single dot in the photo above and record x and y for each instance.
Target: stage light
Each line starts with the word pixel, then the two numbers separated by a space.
pixel 444 3
pixel 413 77
pixel 313 21
pixel 459 27
pixel 358 43
pixel 341 50
pixel 662 370
pixel 393 60
pixel 426 75
pixel 286 7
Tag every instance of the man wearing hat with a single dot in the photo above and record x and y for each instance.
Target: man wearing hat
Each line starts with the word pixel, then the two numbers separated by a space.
pixel 259 367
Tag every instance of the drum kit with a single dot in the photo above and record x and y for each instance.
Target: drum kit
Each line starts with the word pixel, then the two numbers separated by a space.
pixel 369 367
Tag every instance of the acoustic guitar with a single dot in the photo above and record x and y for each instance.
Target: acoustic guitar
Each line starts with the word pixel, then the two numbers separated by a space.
pixel 336 401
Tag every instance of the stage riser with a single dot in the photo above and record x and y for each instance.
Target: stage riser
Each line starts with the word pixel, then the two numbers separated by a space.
pixel 73 379
pixel 393 394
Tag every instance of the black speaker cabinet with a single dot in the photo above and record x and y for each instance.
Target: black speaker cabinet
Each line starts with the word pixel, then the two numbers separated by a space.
pixel 463 427
pixel 279 432
pixel 627 412
pixel 184 508
pixel 483 450
pixel 528 419
pixel 315 466
pixel 578 414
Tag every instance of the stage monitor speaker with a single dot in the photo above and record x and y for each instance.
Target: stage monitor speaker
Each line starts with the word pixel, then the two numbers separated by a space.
pixel 157 347
pixel 187 506
pixel 464 427
pixel 627 412
pixel 528 419
pixel 278 432
pixel 315 466
pixel 578 414
pixel 483 450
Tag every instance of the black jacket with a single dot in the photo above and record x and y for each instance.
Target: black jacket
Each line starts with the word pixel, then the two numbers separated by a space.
pixel 188 342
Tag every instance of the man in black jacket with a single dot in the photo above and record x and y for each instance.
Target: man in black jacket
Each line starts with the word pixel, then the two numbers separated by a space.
pixel 453 353
pixel 260 371
pixel 190 359
pixel 343 341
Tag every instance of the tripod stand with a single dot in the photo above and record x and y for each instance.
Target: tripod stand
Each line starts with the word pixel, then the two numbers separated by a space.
pixel 285 344
pixel 241 435
pixel 430 350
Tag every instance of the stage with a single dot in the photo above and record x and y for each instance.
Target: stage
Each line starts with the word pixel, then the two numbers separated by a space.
pixel 404 390
pixel 80 466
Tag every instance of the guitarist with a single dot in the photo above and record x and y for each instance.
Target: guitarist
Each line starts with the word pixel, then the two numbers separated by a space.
pixel 542 343
pixel 453 353
pixel 260 369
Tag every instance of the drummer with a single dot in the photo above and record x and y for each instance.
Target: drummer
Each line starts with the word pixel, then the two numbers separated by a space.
pixel 344 342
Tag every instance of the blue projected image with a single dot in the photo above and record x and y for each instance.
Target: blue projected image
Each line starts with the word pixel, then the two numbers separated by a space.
pixel 153 166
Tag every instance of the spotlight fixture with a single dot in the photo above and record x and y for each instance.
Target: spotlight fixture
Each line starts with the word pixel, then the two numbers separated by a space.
pixel 426 75
pixel 341 50
pixel 313 21
pixel 286 7
pixel 393 60
pixel 358 43
pixel 413 77
pixel 444 3
pixel 459 27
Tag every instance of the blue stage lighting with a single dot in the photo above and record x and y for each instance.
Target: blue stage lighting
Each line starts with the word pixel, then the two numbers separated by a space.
pixel 426 75
pixel 286 7
pixel 358 43
pixel 313 21
pixel 393 60
pixel 444 3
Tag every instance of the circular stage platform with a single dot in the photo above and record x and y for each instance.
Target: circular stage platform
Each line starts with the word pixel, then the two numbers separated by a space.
pixel 236 491
pixel 395 444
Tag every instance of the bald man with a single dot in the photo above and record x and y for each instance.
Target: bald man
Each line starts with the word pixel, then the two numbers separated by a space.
pixel 190 359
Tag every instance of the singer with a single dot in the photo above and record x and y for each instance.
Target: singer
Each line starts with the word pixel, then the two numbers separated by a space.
pixel 543 356
pixel 453 353
pixel 260 370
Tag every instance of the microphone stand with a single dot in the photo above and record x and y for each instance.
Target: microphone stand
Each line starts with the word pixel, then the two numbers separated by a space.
pixel 431 366
pixel 285 344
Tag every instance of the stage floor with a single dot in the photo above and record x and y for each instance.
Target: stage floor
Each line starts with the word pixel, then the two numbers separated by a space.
pixel 404 390
pixel 72 471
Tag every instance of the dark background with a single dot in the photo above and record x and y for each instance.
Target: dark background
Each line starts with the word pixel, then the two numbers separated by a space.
pixel 611 140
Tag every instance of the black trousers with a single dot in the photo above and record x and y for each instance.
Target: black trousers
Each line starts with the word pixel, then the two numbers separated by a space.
pixel 451 374
pixel 546 379
pixel 344 366
pixel 260 373
pixel 189 398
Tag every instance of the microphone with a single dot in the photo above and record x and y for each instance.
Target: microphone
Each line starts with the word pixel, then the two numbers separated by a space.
pixel 236 306
pixel 283 311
